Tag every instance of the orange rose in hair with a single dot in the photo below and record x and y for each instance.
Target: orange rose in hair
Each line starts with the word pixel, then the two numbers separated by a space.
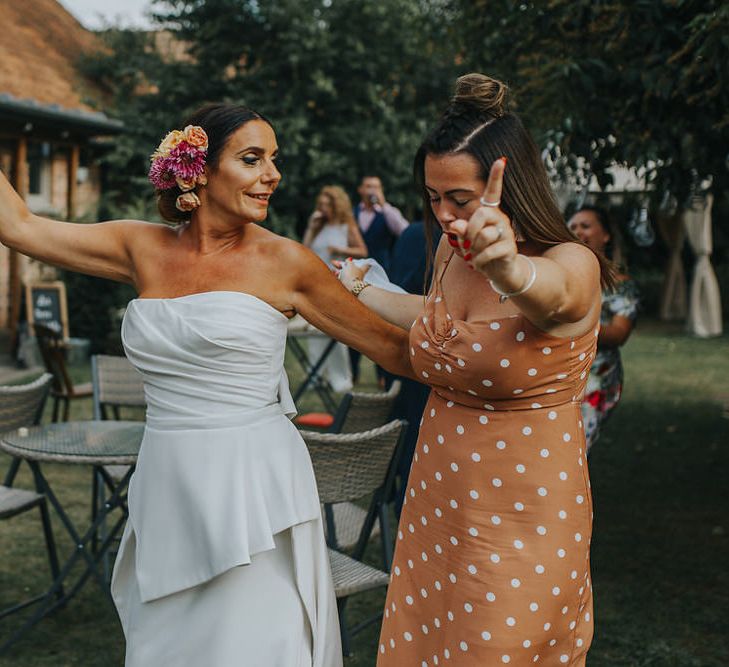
pixel 185 185
pixel 196 136
pixel 187 201
pixel 168 143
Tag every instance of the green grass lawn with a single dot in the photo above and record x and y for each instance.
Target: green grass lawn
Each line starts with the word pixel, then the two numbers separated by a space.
pixel 661 536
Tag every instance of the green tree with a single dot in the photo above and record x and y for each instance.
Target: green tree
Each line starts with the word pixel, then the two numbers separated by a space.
pixel 643 84
pixel 350 86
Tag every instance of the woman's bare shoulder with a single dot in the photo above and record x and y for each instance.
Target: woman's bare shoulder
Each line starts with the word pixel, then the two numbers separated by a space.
pixel 573 256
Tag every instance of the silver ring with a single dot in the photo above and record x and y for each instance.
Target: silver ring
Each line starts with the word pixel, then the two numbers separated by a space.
pixel 492 204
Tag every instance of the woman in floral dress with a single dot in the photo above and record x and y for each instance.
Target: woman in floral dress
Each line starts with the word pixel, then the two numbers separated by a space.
pixel 617 319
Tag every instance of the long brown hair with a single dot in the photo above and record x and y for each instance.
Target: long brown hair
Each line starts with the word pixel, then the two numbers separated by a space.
pixel 478 123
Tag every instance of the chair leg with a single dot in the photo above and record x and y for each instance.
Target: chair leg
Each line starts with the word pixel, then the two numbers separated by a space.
pixel 343 630
pixel 56 405
pixel 385 536
pixel 94 507
pixel 50 545
pixel 66 409
pixel 12 472
pixel 331 527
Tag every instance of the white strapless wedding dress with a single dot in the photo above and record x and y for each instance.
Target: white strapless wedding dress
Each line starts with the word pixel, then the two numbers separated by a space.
pixel 223 561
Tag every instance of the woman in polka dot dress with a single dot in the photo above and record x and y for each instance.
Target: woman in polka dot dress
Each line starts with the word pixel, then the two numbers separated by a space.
pixel 492 557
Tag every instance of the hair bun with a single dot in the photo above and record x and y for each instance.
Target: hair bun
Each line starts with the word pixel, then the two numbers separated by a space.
pixel 480 93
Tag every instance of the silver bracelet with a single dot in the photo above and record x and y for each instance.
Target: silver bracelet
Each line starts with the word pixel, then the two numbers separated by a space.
pixel 503 296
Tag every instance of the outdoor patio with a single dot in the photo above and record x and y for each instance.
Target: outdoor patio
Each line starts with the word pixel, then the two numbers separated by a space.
pixel 661 530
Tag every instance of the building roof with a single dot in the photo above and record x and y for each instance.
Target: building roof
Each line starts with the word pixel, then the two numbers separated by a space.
pixel 39 52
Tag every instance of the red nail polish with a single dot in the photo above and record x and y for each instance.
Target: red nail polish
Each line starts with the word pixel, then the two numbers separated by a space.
pixel 504 159
pixel 467 256
pixel 466 244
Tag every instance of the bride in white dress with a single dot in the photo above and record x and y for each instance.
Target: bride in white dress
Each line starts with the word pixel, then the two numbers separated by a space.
pixel 223 561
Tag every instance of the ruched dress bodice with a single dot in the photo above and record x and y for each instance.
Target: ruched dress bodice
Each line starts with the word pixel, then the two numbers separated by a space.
pixel 207 358
pixel 221 468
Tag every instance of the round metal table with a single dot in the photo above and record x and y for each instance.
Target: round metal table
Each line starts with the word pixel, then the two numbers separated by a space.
pixel 93 443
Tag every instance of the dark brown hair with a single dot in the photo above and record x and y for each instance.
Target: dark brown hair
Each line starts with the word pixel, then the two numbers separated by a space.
pixel 219 122
pixel 478 123
pixel 614 247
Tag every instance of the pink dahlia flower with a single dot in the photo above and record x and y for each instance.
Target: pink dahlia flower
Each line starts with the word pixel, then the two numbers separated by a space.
pixel 162 173
pixel 188 161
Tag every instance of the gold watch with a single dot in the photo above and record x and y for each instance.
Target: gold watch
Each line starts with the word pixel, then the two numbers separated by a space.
pixel 358 286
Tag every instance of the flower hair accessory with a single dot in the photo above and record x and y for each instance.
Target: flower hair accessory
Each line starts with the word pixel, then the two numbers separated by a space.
pixel 179 161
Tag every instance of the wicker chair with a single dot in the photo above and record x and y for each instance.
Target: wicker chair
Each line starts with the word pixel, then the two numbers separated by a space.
pixel 22 406
pixel 358 412
pixel 53 350
pixel 116 384
pixel 349 467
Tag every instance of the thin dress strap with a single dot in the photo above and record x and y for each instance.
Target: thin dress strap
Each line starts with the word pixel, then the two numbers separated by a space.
pixel 442 270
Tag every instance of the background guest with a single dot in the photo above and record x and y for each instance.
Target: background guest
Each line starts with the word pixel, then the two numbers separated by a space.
pixel 410 271
pixel 381 224
pixel 617 319
pixel 332 233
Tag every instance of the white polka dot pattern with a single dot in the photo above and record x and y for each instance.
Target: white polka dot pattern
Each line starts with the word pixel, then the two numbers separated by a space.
pixel 491 563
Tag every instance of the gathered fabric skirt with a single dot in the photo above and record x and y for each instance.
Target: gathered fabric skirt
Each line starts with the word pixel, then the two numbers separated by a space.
pixel 252 615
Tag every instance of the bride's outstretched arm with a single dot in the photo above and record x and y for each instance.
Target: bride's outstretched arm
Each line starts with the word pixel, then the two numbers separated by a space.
pixel 321 299
pixel 99 249
pixel 399 309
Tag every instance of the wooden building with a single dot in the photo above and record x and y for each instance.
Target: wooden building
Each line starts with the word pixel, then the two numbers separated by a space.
pixel 49 127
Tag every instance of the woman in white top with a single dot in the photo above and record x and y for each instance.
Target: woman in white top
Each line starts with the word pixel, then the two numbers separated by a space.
pixel 223 560
pixel 333 234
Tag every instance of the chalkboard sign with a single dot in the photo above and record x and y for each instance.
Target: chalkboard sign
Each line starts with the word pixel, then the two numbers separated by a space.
pixel 46 304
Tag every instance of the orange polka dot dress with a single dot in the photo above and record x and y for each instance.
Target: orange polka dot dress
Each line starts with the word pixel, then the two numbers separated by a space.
pixel 492 562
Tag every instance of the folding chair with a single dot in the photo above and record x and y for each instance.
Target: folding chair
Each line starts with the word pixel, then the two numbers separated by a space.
pixel 53 350
pixel 22 406
pixel 349 467
pixel 116 384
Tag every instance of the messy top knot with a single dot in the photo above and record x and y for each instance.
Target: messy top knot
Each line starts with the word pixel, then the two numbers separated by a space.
pixel 478 124
pixel 480 93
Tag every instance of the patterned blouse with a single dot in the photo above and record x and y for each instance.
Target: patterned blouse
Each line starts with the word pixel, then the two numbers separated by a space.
pixel 605 383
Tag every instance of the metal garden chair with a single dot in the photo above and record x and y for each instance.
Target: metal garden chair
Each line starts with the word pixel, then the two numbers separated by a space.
pixel 22 406
pixel 116 384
